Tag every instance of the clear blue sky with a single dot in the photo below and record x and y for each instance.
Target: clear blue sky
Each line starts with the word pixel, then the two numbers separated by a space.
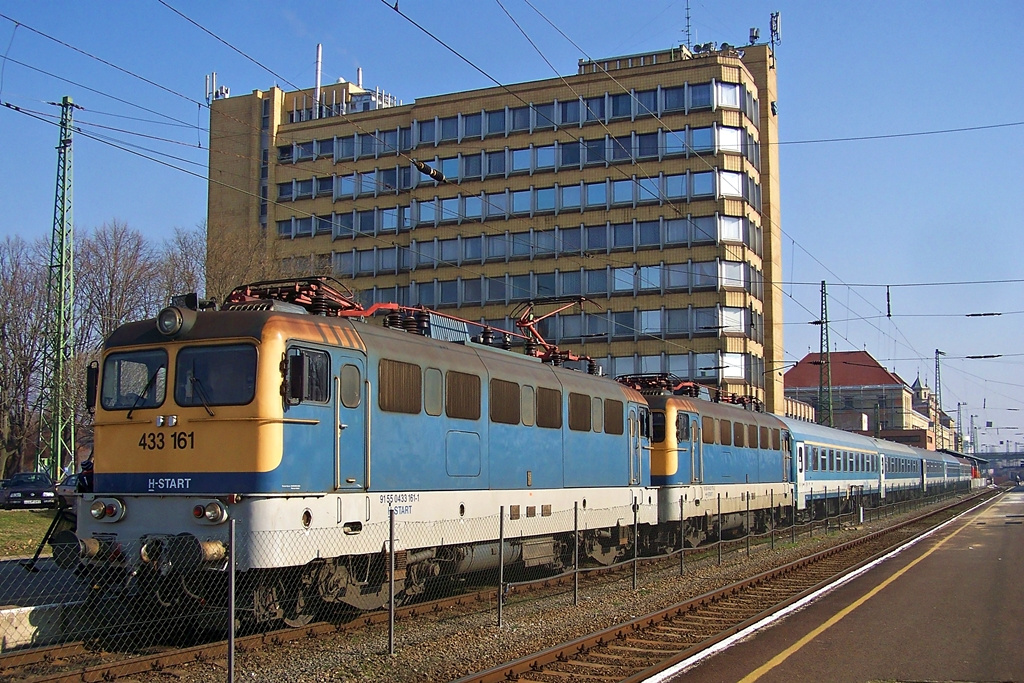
pixel 911 209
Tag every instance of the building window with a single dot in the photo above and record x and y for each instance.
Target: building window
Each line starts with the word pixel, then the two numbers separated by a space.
pixel 472 125
pixel 545 115
pixel 700 96
pixel 450 128
pixel 496 122
pixel 427 132
pixel 520 118
pixel 570 111
pixel 595 108
pixel 622 105
pixel 569 154
pixel 570 197
pixel 597 194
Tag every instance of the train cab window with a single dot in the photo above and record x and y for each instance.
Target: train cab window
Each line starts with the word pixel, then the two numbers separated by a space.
pixel 549 408
pixel 739 431
pixel 401 387
pixel 752 436
pixel 226 375
pixel 766 440
pixel 579 413
pixel 351 386
pixel 613 416
pixel 776 440
pixel 682 428
pixel 657 426
pixel 645 421
pixel 504 403
pixel 433 391
pixel 137 379
pixel 528 406
pixel 725 432
pixel 462 395
pixel 597 414
pixel 708 430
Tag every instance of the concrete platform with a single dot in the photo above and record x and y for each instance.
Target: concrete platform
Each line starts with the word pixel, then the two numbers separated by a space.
pixel 949 608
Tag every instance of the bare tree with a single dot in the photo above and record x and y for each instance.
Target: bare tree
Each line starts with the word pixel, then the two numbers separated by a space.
pixel 22 335
pixel 182 263
pixel 114 274
pixel 235 257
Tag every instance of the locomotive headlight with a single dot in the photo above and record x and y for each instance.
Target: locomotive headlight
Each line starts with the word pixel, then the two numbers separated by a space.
pixel 212 512
pixel 173 321
pixel 98 509
pixel 215 512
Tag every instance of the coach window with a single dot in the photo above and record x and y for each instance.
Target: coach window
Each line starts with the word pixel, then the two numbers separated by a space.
pixel 528 406
pixel 401 387
pixel 579 414
pixel 831 460
pixel 725 432
pixel 226 375
pixel 657 425
pixel 462 395
pixel 814 458
pixel 597 414
pixel 549 408
pixel 708 430
pixel 504 402
pixel 351 388
pixel 433 391
pixel 682 429
pixel 613 416
pixel 739 431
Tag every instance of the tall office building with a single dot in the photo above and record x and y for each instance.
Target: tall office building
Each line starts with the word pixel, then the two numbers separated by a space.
pixel 646 183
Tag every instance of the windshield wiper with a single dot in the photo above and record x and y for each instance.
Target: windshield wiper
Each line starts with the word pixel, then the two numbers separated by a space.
pixel 198 384
pixel 145 390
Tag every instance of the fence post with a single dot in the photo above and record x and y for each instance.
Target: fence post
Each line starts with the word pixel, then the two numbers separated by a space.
pixel 231 601
pixel 391 581
pixel 792 523
pixel 576 553
pixel 811 515
pixel 749 529
pixel 636 540
pixel 775 517
pixel 719 529
pixel 501 563
pixel 682 539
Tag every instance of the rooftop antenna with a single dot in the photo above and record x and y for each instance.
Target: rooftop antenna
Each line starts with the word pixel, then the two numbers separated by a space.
pixel 689 43
pixel 776 32
pixel 316 91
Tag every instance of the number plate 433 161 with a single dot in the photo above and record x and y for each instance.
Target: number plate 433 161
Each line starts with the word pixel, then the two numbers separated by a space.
pixel 158 441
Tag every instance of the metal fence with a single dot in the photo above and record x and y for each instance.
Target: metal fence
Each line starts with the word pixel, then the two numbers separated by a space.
pixel 185 594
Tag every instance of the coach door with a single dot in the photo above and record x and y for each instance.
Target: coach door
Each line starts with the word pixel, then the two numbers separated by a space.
pixel 801 463
pixel 696 451
pixel 351 424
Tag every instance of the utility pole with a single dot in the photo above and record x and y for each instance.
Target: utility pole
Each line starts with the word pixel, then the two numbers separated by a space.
pixel 58 413
pixel 940 441
pixel 825 367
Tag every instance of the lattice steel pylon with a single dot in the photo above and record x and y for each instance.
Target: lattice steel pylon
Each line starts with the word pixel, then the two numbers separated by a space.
pixel 58 410
pixel 825 366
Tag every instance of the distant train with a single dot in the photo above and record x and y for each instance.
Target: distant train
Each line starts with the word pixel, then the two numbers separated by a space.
pixel 289 412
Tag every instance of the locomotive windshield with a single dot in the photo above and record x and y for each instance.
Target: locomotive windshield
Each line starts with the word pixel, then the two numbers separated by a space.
pixel 136 379
pixel 215 375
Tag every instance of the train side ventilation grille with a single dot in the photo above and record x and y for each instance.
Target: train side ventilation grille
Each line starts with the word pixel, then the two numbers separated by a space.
pixel 264 305
pixel 446 329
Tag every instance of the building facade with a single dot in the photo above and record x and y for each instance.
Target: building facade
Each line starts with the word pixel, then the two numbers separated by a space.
pixel 868 399
pixel 647 184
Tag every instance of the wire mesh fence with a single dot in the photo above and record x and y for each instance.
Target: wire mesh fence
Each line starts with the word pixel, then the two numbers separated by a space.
pixel 180 590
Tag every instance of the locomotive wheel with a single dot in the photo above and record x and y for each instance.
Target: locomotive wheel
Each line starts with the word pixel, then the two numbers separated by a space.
pixel 295 606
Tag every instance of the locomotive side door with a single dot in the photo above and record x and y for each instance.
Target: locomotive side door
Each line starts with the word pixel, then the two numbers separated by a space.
pixel 351 423
pixel 696 451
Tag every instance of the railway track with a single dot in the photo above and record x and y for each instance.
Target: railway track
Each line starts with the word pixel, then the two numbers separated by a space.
pixel 635 650
pixel 88 661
